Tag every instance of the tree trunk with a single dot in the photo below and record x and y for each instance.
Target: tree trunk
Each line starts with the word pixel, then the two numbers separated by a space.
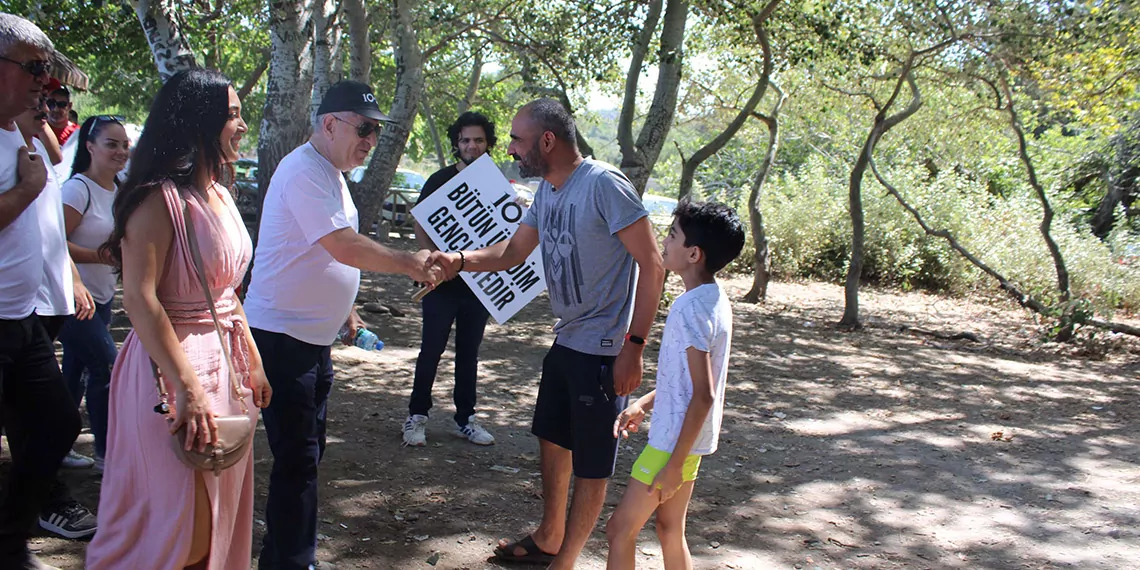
pixel 370 193
pixel 324 23
pixel 1105 217
pixel 472 81
pixel 1022 298
pixel 763 256
pixel 882 124
pixel 425 110
pixel 284 123
pixel 168 46
pixel 1067 326
pixel 631 160
pixel 689 167
pixel 639 158
pixel 360 50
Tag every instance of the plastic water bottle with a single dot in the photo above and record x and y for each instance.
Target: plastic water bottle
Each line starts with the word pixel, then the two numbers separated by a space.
pixel 361 338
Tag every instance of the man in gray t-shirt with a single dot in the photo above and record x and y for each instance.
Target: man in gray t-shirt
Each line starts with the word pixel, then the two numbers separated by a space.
pixel 604 275
pixel 589 273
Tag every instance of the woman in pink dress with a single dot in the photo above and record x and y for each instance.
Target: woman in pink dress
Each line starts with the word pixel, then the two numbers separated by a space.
pixel 156 513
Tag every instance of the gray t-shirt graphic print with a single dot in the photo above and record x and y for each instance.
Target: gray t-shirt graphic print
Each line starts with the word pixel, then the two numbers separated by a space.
pixel 589 273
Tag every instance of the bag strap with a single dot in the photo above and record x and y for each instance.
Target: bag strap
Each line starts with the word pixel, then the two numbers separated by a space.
pixel 199 268
pixel 88 206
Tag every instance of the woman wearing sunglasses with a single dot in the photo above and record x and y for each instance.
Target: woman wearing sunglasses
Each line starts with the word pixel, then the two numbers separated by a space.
pixel 102 151
pixel 154 511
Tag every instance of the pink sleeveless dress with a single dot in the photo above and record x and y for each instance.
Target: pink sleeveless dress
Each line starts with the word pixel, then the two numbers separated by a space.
pixel 146 504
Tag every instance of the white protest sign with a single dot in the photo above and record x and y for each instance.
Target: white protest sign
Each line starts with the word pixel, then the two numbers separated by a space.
pixel 476 209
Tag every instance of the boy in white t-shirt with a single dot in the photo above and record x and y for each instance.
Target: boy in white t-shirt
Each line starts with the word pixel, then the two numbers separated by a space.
pixel 688 402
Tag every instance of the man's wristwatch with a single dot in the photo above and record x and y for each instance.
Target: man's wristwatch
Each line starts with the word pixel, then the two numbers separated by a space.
pixel 630 337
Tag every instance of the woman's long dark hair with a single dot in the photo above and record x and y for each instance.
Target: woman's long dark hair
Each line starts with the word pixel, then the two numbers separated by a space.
pixel 179 139
pixel 90 131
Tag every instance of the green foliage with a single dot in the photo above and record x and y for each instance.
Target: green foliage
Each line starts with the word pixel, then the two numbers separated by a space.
pixel 809 233
pixel 106 41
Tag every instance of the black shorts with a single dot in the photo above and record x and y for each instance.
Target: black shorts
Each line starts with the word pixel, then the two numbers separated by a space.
pixel 577 408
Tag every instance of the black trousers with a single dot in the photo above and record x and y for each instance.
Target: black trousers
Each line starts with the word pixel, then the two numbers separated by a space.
pixel 38 403
pixel 451 303
pixel 301 375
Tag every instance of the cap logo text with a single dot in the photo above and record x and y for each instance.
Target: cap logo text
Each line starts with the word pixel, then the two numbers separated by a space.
pixel 369 98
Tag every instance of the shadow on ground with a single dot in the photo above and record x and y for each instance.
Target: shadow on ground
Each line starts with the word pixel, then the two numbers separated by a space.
pixel 877 449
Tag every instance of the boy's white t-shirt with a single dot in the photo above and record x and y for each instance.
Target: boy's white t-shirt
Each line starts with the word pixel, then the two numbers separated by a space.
pixel 21 258
pixel 700 318
pixel 96 203
pixel 56 297
pixel 298 289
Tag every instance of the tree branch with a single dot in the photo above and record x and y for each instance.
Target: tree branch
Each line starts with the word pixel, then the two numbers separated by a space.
pixel 632 75
pixel 254 77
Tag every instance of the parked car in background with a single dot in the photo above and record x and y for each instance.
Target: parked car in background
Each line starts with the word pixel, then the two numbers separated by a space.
pixel 523 191
pixel 402 194
pixel 660 210
pixel 245 191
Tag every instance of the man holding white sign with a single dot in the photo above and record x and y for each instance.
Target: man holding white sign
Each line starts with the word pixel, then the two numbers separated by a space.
pixel 472 136
pixel 596 238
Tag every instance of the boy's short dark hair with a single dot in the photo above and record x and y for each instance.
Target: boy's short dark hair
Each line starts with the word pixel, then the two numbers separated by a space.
pixel 713 227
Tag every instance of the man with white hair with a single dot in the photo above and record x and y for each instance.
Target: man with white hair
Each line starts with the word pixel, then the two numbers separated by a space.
pixel 305 278
pixel 31 386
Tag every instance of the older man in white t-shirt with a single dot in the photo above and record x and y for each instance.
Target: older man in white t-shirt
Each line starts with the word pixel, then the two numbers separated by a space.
pixel 34 395
pixel 305 278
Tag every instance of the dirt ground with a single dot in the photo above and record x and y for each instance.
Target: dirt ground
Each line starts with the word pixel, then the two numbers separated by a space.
pixel 886 448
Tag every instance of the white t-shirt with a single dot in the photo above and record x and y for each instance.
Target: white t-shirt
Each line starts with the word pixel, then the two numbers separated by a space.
pixel 298 288
pixel 700 318
pixel 96 204
pixel 56 297
pixel 21 258
pixel 63 169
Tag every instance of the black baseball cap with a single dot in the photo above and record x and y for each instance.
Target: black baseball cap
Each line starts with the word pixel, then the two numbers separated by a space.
pixel 352 96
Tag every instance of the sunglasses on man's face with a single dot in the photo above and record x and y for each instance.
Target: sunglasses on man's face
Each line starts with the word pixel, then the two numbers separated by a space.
pixel 363 130
pixel 36 67
pixel 53 104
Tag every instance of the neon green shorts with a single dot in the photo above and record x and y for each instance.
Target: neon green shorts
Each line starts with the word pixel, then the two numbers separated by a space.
pixel 653 460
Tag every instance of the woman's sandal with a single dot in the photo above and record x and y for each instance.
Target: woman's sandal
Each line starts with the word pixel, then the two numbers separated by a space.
pixel 533 554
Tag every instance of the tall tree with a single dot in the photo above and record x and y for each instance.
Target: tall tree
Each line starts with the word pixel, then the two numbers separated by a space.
pixel 360 41
pixel 408 56
pixel 289 90
pixel 326 32
pixel 690 165
pixel 762 255
pixel 883 122
pixel 639 156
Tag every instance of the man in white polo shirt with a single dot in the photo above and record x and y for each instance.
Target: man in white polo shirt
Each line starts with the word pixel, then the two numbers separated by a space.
pixel 305 278
pixel 31 386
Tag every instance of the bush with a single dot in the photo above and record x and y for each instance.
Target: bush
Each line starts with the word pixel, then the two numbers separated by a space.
pixel 808 228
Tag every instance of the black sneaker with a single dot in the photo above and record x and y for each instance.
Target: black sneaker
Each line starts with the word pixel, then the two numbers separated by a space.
pixel 69 520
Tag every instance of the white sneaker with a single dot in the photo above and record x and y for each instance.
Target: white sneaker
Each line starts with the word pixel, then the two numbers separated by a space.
pixel 474 433
pixel 415 430
pixel 74 460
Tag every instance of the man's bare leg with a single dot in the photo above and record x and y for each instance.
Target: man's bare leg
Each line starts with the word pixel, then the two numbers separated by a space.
pixel 557 465
pixel 589 496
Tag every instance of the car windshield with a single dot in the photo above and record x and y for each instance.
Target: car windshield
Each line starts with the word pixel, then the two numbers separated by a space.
pixel 658 205
pixel 408 180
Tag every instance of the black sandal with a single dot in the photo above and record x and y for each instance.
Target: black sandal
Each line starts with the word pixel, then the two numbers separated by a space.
pixel 533 554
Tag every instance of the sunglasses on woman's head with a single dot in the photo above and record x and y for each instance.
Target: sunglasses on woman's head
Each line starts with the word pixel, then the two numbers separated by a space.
pixel 35 67
pixel 105 119
pixel 363 130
